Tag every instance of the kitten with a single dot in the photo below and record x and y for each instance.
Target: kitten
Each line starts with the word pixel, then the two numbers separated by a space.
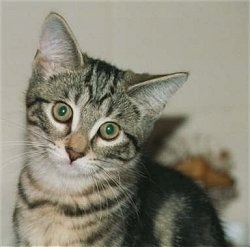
pixel 85 180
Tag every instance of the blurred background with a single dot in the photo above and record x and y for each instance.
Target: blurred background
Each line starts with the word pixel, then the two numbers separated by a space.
pixel 204 129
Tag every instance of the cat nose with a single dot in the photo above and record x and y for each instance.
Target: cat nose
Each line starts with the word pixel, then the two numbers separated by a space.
pixel 76 146
pixel 73 155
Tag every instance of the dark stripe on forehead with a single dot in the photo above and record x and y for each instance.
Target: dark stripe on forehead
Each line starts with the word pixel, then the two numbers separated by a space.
pixel 77 97
pixel 112 89
pixel 90 92
pixel 89 73
pixel 103 67
pixel 102 79
pixel 66 93
pixel 116 74
pixel 105 96
pixel 110 110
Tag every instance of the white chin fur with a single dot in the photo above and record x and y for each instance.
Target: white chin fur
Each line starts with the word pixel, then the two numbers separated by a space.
pixel 81 167
pixel 57 173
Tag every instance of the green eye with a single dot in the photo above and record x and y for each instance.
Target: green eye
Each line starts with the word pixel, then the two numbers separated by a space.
pixel 62 112
pixel 109 131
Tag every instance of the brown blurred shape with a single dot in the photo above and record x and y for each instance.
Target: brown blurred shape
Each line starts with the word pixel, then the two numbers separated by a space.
pixel 199 169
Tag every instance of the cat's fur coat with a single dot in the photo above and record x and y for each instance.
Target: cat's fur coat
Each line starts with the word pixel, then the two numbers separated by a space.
pixel 85 180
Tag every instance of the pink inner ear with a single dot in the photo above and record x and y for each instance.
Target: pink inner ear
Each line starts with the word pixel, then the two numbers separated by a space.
pixel 58 49
pixel 47 66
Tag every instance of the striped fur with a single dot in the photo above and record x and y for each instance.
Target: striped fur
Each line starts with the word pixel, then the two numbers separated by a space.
pixel 78 188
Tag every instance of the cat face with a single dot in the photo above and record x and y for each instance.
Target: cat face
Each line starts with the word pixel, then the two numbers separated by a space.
pixel 84 131
pixel 84 115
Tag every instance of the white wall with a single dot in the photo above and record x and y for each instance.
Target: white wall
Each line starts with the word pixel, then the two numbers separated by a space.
pixel 207 39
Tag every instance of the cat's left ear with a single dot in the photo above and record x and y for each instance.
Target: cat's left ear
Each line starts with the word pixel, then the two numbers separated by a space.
pixel 58 49
pixel 152 92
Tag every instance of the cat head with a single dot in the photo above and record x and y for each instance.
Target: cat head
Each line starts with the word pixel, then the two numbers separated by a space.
pixel 85 115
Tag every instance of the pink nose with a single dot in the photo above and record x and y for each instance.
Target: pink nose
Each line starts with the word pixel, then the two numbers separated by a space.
pixel 73 155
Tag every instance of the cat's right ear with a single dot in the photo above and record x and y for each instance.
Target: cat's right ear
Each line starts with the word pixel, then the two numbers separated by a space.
pixel 152 92
pixel 58 49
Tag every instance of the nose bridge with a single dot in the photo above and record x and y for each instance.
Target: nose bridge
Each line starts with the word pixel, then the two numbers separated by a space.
pixel 77 141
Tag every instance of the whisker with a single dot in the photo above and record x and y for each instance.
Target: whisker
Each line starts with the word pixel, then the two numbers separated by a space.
pixel 129 194
pixel 99 194
pixel 15 158
pixel 110 187
pixel 25 129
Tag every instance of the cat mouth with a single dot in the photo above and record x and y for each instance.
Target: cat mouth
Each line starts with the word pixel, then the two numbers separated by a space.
pixel 77 168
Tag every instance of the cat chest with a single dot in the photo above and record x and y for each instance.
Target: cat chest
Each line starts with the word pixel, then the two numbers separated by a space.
pixel 47 227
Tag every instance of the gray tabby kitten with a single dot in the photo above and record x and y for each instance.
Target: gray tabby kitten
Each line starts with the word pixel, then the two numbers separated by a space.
pixel 85 180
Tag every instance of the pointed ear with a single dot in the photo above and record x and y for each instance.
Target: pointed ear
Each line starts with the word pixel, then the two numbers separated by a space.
pixel 153 94
pixel 58 49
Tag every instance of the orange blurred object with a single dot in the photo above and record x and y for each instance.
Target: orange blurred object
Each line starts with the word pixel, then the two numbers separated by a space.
pixel 202 171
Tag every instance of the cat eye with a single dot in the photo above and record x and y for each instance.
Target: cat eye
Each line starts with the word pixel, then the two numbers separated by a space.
pixel 109 131
pixel 62 112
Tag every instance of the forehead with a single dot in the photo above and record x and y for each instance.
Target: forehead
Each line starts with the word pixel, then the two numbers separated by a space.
pixel 91 92
pixel 97 80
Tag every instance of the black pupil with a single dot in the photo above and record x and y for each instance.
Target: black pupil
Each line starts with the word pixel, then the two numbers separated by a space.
pixel 62 111
pixel 110 129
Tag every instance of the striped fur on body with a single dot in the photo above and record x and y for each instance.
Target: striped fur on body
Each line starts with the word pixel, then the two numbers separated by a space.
pixel 87 218
pixel 81 187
